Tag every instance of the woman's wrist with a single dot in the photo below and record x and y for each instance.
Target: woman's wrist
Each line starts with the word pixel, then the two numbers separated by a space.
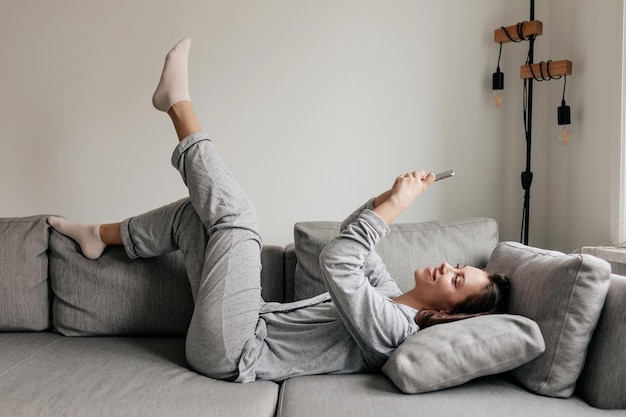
pixel 388 210
pixel 382 198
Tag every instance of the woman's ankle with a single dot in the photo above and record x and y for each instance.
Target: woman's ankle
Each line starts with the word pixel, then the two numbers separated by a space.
pixel 110 234
pixel 184 119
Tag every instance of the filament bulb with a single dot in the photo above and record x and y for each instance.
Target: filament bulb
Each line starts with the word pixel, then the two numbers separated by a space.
pixel 497 86
pixel 564 120
pixel 497 98
pixel 564 135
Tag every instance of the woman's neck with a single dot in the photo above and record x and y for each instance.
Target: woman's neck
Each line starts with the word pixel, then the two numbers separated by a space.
pixel 410 299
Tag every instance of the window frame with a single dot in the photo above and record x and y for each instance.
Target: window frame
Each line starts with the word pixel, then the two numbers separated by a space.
pixel 618 175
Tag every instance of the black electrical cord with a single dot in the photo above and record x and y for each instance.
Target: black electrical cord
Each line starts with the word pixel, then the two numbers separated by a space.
pixel 520 33
pixel 526 136
pixel 543 77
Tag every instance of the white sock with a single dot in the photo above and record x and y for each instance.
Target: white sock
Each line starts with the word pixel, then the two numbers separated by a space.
pixel 86 235
pixel 174 83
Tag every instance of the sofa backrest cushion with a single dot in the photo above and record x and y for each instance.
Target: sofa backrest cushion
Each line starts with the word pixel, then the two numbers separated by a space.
pixel 408 246
pixel 24 289
pixel 115 295
pixel 564 294
pixel 603 380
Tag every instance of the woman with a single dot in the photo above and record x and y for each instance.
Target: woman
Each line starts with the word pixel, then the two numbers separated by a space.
pixel 233 334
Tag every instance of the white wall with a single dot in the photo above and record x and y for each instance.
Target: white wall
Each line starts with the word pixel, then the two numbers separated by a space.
pixel 315 106
pixel 579 175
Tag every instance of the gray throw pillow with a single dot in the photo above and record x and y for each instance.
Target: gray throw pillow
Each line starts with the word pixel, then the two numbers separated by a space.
pixel 446 355
pixel 408 246
pixel 114 295
pixel 24 293
pixel 564 294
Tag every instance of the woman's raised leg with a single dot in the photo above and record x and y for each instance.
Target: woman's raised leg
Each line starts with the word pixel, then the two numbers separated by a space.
pixel 215 229
pixel 229 293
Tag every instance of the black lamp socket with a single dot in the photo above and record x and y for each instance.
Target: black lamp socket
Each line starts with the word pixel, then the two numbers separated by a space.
pixel 498 80
pixel 564 114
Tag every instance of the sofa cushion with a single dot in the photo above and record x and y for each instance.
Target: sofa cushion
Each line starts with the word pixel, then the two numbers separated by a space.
pixel 451 354
pixel 603 380
pixel 114 295
pixel 119 376
pixel 24 289
pixel 408 246
pixel 374 395
pixel 564 294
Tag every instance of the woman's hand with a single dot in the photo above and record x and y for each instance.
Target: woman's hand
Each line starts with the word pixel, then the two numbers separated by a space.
pixel 408 186
pixel 403 192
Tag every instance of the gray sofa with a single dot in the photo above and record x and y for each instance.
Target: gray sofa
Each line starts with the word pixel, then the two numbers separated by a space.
pixel 106 337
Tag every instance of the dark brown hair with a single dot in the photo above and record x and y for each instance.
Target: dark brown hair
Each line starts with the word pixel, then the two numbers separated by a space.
pixel 493 299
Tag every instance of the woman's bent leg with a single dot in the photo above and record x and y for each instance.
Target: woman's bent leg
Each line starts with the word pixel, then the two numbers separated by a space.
pixel 175 226
pixel 229 293
pixel 227 305
pixel 224 276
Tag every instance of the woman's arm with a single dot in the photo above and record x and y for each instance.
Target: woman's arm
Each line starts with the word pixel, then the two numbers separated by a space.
pixel 376 323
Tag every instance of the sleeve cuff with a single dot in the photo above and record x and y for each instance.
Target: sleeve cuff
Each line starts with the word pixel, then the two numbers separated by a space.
pixel 375 221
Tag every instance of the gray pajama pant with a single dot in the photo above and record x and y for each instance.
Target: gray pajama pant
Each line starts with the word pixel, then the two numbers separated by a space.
pixel 216 231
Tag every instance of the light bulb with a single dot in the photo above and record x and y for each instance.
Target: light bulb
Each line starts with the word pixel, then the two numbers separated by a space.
pixel 497 97
pixel 564 135
pixel 497 86
pixel 564 119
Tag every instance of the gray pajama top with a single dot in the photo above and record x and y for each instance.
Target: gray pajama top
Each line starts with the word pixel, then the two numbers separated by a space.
pixel 352 328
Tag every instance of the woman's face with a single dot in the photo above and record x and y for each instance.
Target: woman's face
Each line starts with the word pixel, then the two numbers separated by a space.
pixel 444 287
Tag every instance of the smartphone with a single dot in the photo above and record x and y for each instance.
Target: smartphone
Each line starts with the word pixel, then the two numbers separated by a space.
pixel 445 174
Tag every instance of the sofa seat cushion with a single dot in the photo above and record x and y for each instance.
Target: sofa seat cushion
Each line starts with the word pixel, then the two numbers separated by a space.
pixel 24 289
pixel 17 347
pixel 374 395
pixel 120 376
pixel 564 294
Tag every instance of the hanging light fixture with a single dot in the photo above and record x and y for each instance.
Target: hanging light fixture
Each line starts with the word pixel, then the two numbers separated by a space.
pixel 564 117
pixel 498 82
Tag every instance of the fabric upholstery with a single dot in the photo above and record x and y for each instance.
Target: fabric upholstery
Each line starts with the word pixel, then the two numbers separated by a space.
pixel 24 289
pixel 114 295
pixel 407 247
pixel 290 271
pixel 603 381
pixel 18 347
pixel 451 354
pixel 564 294
pixel 121 376
pixel 272 281
pixel 374 395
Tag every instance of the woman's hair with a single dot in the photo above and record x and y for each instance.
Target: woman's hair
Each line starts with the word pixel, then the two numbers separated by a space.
pixel 492 299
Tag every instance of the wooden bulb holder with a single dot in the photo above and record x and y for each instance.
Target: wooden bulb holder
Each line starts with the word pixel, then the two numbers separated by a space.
pixel 542 71
pixel 546 70
pixel 528 29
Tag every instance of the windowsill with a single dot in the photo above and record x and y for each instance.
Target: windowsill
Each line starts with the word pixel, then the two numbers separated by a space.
pixel 615 256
